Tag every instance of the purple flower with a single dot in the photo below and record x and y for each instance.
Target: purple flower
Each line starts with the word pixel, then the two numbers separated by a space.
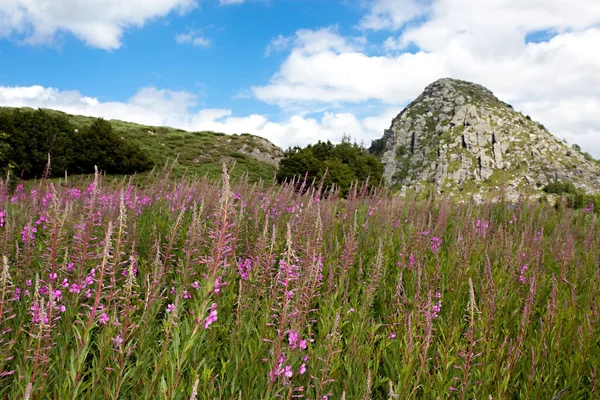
pixel 302 369
pixel 118 341
pixel 287 372
pixel 436 242
pixel 65 283
pixel 293 338
pixel 196 285
pixel 170 307
pixel 212 316
pixel 219 284
pixel 392 335
pixel 75 288
pixel 103 319
pixel 62 308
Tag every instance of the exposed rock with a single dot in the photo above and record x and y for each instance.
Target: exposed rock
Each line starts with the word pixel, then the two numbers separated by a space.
pixel 458 134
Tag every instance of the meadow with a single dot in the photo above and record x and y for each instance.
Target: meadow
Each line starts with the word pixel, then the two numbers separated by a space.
pixel 210 289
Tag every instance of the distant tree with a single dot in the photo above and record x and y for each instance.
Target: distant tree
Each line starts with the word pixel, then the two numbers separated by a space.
pixel 27 137
pixel 340 164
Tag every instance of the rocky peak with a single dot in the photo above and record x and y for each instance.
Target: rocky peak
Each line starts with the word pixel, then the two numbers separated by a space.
pixel 457 136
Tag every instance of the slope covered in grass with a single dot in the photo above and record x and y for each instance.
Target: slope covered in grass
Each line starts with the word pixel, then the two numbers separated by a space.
pixel 197 153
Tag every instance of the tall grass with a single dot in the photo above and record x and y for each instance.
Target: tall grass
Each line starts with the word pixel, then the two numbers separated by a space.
pixel 217 290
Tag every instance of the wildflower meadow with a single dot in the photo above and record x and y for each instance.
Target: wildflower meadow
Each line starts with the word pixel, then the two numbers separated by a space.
pixel 202 289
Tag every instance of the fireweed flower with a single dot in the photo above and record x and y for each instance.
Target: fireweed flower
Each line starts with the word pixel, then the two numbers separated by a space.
pixel 187 295
pixel 28 234
pixel 302 369
pixel 118 341
pixel 75 288
pixel 170 307
pixel 437 307
pixel 219 284
pixel 103 319
pixel 392 335
pixel 244 268
pixel 522 277
pixel 212 316
pixel 2 217
pixel 65 283
pixel 481 227
pixel 278 370
pixel 196 285
pixel 436 242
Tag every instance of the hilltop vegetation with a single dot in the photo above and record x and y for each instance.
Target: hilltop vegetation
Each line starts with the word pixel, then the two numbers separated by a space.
pixel 197 153
pixel 27 137
pixel 338 165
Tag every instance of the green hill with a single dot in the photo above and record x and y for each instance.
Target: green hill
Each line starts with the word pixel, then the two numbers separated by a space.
pixel 197 153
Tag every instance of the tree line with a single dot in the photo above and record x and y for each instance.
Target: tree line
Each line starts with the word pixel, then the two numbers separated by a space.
pixel 27 137
pixel 333 164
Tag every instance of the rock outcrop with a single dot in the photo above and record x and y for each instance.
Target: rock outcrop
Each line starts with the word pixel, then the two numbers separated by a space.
pixel 458 137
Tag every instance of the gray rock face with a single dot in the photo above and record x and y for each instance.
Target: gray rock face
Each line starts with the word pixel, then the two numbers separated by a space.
pixel 458 135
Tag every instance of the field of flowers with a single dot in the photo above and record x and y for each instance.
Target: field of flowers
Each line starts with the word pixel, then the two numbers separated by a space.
pixel 217 290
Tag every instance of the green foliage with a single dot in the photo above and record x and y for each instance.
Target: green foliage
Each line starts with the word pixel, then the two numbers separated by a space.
pixel 377 146
pixel 27 137
pixel 573 197
pixel 339 165
pixel 560 187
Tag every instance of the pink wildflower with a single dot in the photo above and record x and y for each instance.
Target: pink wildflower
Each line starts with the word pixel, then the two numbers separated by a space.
pixel 302 369
pixel 103 319
pixel 212 316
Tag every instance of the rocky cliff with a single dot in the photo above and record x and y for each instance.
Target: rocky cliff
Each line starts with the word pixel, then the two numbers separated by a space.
pixel 458 137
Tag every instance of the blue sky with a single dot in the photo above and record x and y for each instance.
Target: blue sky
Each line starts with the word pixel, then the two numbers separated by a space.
pixel 296 71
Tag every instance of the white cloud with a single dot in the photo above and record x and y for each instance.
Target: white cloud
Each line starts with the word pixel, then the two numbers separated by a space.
pixel 480 41
pixel 194 38
pixel 99 23
pixel 161 107
pixel 394 14
pixel 279 43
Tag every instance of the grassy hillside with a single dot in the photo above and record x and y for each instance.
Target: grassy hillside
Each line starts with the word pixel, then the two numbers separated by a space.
pixel 197 153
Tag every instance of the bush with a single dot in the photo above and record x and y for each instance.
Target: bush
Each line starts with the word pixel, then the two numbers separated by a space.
pixel 574 197
pixel 340 164
pixel 28 136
